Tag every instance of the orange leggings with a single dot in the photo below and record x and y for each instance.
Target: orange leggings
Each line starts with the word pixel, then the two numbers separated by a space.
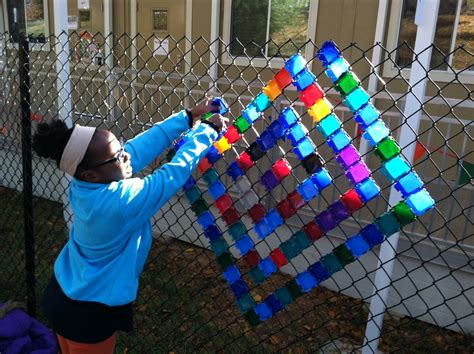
pixel 70 347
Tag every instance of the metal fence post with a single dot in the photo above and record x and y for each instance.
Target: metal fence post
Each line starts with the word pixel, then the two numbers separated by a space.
pixel 425 18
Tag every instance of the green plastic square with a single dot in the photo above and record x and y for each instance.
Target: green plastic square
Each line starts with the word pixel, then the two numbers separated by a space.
pixel 301 240
pixel 199 206
pixel 252 317
pixel 403 213
pixel 284 296
pixel 257 275
pixel 219 246
pixel 387 223
pixel 245 302
pixel 237 230
pixel 225 260
pixel 387 149
pixel 241 124
pixel 343 254
pixel 331 263
pixel 347 83
pixel 293 288
pixel 290 248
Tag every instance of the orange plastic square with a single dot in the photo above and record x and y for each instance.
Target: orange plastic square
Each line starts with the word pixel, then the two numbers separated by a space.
pixel 320 110
pixel 272 90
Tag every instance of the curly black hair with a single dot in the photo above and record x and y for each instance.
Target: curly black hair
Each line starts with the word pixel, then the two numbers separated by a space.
pixel 51 138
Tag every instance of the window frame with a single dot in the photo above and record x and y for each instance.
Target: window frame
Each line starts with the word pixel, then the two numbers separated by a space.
pixel 389 69
pixel 274 62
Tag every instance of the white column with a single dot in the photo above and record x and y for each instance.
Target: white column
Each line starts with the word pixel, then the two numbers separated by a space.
pixel 425 18
pixel 109 59
pixel 215 15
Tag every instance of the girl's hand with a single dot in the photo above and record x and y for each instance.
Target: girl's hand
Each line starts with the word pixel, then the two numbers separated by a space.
pixel 219 122
pixel 203 107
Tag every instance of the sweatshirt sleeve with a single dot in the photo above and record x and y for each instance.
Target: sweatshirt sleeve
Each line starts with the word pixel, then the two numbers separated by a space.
pixel 144 148
pixel 141 198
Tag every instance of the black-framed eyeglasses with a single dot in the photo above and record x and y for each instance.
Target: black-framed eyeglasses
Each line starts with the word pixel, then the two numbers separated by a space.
pixel 120 156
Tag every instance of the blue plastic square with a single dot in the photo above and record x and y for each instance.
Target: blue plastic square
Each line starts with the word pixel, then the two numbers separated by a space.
pixel 329 125
pixel 357 245
pixel 267 266
pixel 274 219
pixel 376 132
pixel 319 272
pixel 224 107
pixel 273 302
pixel 231 274
pixel 262 102
pixel 212 233
pixel 372 235
pixel 263 311
pixel 288 117
pixel 395 168
pixel 244 245
pixel 219 246
pixel 234 171
pixel 420 202
pixel 239 288
pixel 366 115
pixel 306 281
pixel 251 114
pixel 237 230
pixel 245 303
pixel 338 141
pixel 338 67
pixel 213 155
pixel 193 193
pixel 216 189
pixel 266 141
pixel 276 130
pixel 356 99
pixel 304 79
pixel 296 133
pixel 295 64
pixel 210 176
pixel 328 52
pixel 189 183
pixel 322 178
pixel 409 184
pixel 205 219
pixel 304 148
pixel 367 190
pixel 263 228
pixel 307 189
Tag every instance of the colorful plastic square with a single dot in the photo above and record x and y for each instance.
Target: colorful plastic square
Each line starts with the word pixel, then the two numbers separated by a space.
pixel 285 209
pixel 348 156
pixel 251 114
pixel 204 165
pixel 296 133
pixel 263 311
pixel 338 141
pixel 282 78
pixel 276 130
pixel 274 219
pixel 288 117
pixel 272 90
pixel 313 231
pixel 339 211
pixel 189 183
pixel 266 141
pixel 357 245
pixel 284 296
pixel 320 110
pixel 252 259
pixel 321 178
pixel 295 64
pixel 296 200
pixel 358 172
pixel 244 245
pixel 329 125
pixel 257 275
pixel 210 176
pixel 372 235
pixel 237 230
pixel 241 124
pixel 306 281
pixel 262 102
pixel 403 213
pixel 331 263
pixel 395 168
pixel 251 317
pixel 356 99
pixel 224 260
pixel 387 149
pixel 311 94
pixel 234 171
pixel 368 190
pixel 281 169
pixel 232 134
pixel 302 241
pixel 267 266
pixel 263 228
pixel 245 303
pixel 409 184
pixel 193 194
pixel 366 115
pixel 319 272
pixel 213 155
pixel 257 212
pixel 278 258
pixel 328 52
pixel 307 189
pixel 244 161
pixel 312 163
pixel 293 288
pixel 273 303
pixel 304 148
pixel 352 201
pixel 222 145
pixel 303 79
pixel 223 203
pixel 290 248
pixel 269 180
pixel 231 274
pixel 199 206
pixel 376 132
pixel 387 223
pixel 338 67
pixel 326 221
pixel 205 219
pixel 420 202
pixel 219 246
pixel 343 254
pixel 255 152
pixel 223 106
pixel 347 82
pixel 239 288
pixel 231 216
pixel 212 233
pixel 216 190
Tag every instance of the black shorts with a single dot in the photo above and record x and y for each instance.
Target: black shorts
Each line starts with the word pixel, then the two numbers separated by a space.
pixel 83 321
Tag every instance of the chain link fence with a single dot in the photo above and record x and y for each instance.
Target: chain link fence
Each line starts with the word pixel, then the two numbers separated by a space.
pixel 125 85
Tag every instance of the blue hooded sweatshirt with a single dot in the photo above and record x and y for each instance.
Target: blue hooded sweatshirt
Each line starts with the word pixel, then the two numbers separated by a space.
pixel 111 233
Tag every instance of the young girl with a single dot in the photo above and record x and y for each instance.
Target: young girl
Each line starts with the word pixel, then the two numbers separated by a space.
pixel 95 280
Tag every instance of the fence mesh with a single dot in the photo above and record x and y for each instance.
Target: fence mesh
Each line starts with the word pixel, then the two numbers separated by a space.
pixel 124 85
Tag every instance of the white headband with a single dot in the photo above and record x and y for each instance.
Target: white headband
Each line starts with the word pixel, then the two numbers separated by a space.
pixel 76 148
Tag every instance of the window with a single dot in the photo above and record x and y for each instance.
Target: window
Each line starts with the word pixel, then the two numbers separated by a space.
pixel 36 20
pixel 454 28
pixel 262 28
pixel 160 20
pixel 85 19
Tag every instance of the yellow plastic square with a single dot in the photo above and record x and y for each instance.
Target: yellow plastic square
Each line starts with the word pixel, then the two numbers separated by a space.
pixel 321 109
pixel 272 90
pixel 222 145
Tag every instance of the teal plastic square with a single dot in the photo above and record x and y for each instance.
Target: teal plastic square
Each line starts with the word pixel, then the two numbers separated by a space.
pixel 338 67
pixel 251 114
pixel 329 125
pixel 219 246
pixel 262 102
pixel 301 240
pixel 367 190
pixel 245 302
pixel 288 117
pixel 284 296
pixel 237 230
pixel 366 115
pixel 339 140
pixel 257 275
pixel 296 133
pixel 304 148
pixel 193 194
pixel 395 168
pixel 356 99
pixel 376 132
pixel 420 202
pixel 210 176
pixel 331 263
pixel 387 223
pixel 409 184
pixel 290 248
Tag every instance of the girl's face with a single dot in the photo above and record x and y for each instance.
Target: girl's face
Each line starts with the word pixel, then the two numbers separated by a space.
pixel 105 161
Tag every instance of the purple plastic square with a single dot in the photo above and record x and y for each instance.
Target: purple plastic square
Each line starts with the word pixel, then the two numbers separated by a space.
pixel 348 156
pixel 269 180
pixel 358 172
pixel 326 221
pixel 339 211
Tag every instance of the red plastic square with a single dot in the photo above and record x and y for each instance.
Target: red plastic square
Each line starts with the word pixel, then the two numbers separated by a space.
pixel 283 78
pixel 257 212
pixel 311 94
pixel 231 216
pixel 352 201
pixel 281 169
pixel 278 258
pixel 313 231
pixel 252 258
pixel 285 209
pixel 232 134
pixel 204 165
pixel 223 203
pixel 244 161
pixel 296 200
